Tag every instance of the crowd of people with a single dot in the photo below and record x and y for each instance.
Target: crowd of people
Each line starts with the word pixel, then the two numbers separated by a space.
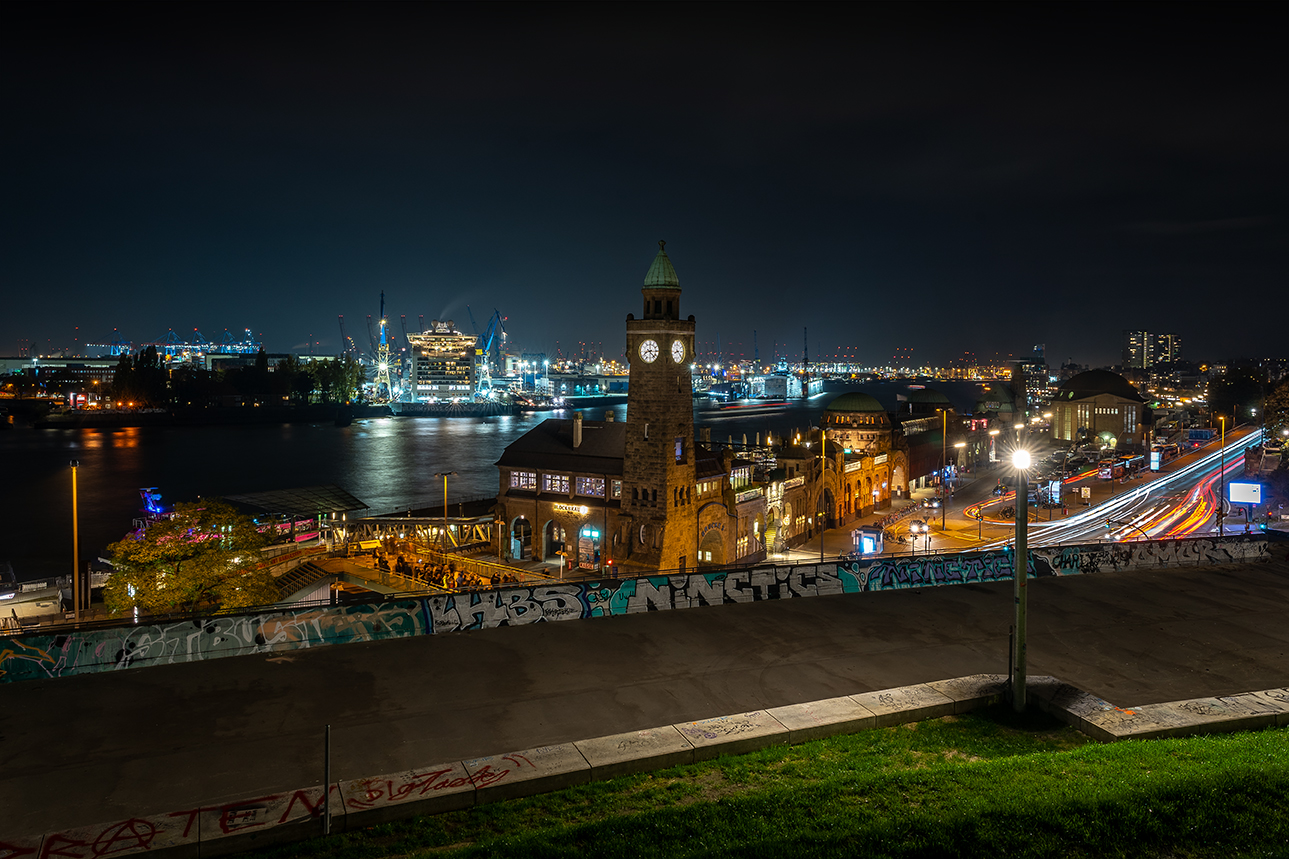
pixel 446 576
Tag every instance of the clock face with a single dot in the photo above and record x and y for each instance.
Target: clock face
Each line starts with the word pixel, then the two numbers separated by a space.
pixel 677 351
pixel 649 351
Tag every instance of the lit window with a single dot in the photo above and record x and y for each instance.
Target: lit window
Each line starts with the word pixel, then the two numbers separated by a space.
pixel 523 480
pixel 555 483
pixel 591 486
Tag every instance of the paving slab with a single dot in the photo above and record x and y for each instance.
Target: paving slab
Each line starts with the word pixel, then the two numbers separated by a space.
pixel 974 690
pixel 1094 716
pixel 905 704
pixel 636 751
pixel 12 848
pixel 1277 697
pixel 733 735
pixel 428 790
pixel 174 836
pixel 272 819
pixel 826 718
pixel 1183 718
pixel 525 773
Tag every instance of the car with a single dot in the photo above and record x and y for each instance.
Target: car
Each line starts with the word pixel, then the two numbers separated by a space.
pixel 933 503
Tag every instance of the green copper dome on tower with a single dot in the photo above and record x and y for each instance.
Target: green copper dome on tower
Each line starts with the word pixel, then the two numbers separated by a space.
pixel 661 273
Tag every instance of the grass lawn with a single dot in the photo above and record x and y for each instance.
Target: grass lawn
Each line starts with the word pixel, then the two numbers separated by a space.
pixel 962 786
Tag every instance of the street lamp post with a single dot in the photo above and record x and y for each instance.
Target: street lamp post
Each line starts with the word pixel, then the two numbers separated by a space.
pixel 944 464
pixel 76 549
pixel 1221 476
pixel 445 475
pixel 1021 460
pixel 823 488
pixel 958 445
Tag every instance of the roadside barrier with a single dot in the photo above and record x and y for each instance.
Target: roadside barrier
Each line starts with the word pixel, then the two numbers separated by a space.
pixel 127 645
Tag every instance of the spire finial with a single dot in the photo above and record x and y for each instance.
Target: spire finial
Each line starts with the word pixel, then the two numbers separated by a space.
pixel 662 246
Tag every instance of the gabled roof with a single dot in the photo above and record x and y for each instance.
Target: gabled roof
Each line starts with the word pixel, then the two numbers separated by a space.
pixel 661 273
pixel 549 447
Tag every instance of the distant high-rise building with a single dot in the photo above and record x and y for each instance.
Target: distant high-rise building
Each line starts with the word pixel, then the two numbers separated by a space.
pixel 1166 349
pixel 1031 381
pixel 1136 349
pixel 1141 349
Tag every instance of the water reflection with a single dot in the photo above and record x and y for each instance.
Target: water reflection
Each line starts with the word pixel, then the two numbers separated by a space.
pixel 388 463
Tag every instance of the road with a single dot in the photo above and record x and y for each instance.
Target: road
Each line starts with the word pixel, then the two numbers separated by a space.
pixel 1179 501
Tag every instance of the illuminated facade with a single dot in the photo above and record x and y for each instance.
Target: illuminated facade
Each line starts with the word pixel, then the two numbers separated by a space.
pixel 442 366
pixel 638 495
pixel 1098 402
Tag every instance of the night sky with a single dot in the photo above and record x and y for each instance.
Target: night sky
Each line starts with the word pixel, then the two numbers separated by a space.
pixel 940 178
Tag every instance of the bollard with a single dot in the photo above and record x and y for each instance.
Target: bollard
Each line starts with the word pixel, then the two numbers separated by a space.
pixel 326 783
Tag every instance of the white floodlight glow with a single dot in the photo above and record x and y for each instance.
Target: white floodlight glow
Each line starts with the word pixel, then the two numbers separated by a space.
pixel 1020 458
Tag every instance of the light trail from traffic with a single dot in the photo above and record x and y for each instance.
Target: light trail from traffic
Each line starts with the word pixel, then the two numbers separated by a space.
pixel 1157 508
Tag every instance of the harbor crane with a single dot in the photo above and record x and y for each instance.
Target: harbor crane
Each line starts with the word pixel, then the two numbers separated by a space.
pixel 384 390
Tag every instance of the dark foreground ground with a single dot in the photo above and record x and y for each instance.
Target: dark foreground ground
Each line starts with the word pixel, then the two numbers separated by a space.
pixel 91 749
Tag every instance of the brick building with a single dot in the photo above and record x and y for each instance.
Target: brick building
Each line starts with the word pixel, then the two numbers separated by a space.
pixel 641 494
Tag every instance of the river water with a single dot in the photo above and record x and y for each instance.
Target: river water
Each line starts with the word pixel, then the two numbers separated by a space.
pixel 388 463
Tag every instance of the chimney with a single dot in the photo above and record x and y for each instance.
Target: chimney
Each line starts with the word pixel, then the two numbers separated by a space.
pixel 577 429
pixel 608 417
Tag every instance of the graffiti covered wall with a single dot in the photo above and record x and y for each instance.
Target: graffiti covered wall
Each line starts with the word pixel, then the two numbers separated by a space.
pixel 37 656
pixel 30 657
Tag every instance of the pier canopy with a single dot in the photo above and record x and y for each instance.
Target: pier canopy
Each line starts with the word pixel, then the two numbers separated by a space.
pixel 309 502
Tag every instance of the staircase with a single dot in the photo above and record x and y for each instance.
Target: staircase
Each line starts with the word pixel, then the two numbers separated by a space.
pixel 299 577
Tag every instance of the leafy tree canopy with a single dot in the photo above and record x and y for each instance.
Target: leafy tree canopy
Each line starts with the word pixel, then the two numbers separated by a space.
pixel 1277 411
pixel 207 554
pixel 1236 394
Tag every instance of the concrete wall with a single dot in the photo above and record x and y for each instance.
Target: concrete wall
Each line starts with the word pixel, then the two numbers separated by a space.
pixel 80 652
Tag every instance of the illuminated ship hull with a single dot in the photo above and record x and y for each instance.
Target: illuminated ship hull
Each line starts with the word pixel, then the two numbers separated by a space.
pixel 451 410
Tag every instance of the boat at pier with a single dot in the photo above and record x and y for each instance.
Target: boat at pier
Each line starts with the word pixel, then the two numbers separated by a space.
pixel 468 409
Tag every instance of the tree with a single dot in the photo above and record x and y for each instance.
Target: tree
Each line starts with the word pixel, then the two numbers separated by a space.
pixel 206 554
pixel 292 379
pixel 1277 411
pixel 1235 394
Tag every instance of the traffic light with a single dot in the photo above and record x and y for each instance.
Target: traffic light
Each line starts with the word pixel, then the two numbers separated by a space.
pixel 1107 524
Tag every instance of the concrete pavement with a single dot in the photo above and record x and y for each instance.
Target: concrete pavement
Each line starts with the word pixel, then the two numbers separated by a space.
pixel 89 749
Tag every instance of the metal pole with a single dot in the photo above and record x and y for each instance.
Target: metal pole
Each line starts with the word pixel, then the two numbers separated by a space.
pixel 1221 476
pixel 944 466
pixel 76 550
pixel 326 783
pixel 823 488
pixel 1021 575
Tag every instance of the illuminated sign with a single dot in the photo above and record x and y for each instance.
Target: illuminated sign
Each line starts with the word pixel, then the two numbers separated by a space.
pixel 879 459
pixel 579 509
pixel 854 466
pixel 1245 493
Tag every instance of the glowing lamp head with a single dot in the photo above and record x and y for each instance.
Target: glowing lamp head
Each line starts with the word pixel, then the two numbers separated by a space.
pixel 1020 458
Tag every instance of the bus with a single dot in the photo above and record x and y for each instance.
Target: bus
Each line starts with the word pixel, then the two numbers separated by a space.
pixel 1163 453
pixel 1200 436
pixel 1131 463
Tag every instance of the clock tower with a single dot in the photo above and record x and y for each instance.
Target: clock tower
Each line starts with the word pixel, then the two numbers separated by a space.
pixel 658 464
